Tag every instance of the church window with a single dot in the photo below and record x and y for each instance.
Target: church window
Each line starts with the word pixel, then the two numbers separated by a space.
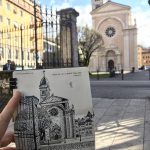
pixel 43 92
pixel 53 112
pixel 110 31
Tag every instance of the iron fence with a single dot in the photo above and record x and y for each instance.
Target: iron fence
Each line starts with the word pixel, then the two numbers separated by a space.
pixel 45 43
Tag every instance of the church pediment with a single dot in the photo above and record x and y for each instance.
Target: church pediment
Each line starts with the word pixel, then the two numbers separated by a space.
pixel 110 7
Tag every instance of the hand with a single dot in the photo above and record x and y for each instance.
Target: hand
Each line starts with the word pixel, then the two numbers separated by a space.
pixel 5 117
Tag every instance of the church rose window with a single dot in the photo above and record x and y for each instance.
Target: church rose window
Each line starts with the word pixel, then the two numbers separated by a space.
pixel 110 31
pixel 54 112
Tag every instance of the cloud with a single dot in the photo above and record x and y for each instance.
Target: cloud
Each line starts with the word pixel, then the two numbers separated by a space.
pixel 84 17
pixel 143 25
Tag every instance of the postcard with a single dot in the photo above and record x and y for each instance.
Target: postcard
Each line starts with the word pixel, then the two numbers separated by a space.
pixel 56 110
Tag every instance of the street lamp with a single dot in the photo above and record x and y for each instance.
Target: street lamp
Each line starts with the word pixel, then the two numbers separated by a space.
pixel 21 28
pixel 35 27
pixel 98 67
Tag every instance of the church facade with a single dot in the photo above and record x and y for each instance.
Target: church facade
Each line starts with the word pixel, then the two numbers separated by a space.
pixel 118 29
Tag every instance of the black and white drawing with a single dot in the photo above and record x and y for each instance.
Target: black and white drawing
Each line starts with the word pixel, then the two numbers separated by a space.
pixel 50 121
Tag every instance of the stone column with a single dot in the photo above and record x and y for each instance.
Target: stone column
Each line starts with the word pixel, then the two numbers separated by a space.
pixel 118 62
pixel 103 63
pixel 126 51
pixel 68 35
pixel 135 50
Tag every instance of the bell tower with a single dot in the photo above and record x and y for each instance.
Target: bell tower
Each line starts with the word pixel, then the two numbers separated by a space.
pixel 44 88
pixel 97 3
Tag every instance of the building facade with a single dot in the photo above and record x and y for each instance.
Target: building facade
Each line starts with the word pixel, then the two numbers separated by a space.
pixel 17 32
pixel 114 22
pixel 143 57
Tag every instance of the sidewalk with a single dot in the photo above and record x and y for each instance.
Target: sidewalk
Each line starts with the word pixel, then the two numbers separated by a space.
pixel 122 124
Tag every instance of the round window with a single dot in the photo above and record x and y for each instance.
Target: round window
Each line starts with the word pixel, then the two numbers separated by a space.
pixel 110 31
pixel 53 112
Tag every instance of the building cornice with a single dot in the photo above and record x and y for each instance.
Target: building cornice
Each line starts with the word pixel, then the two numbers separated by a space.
pixel 31 12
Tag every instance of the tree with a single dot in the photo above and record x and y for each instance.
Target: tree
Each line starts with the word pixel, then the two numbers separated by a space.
pixel 149 2
pixel 88 42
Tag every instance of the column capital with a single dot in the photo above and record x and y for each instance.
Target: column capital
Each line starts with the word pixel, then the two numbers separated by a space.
pixel 68 11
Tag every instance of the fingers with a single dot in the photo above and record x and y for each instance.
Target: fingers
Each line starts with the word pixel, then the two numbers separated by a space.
pixel 7 148
pixel 8 111
pixel 7 139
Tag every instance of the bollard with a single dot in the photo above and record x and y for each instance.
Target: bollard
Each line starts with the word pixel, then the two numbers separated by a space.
pixel 133 69
pixel 149 73
pixel 122 75
pixel 97 74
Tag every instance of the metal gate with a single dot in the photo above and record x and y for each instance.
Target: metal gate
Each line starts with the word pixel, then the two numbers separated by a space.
pixel 47 42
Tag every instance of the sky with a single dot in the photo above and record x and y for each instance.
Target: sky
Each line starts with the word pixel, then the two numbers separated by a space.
pixel 140 10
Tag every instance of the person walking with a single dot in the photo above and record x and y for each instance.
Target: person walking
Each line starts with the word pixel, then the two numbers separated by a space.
pixel 13 65
pixel 9 66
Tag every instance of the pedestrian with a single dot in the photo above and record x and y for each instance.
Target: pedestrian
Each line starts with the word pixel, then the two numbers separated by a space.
pixel 13 65
pixel 39 66
pixel 8 65
pixel 5 117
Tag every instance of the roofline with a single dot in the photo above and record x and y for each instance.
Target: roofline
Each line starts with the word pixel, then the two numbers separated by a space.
pixel 128 7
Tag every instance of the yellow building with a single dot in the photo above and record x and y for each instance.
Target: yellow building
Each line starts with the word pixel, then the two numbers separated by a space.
pixel 143 56
pixel 17 32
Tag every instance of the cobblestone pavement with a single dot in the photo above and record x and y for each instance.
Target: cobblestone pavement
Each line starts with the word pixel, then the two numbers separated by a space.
pixel 122 124
pixel 120 89
pixel 138 76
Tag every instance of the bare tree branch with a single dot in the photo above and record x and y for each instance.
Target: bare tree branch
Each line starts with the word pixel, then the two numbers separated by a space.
pixel 89 41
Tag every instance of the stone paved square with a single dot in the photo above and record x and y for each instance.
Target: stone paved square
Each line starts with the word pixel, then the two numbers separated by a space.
pixel 124 125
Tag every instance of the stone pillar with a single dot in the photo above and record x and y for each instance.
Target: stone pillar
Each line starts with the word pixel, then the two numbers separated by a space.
pixel 103 63
pixel 118 67
pixel 135 50
pixel 68 36
pixel 126 51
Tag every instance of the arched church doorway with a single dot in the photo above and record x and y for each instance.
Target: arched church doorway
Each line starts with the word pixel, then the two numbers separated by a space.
pixel 110 64
pixel 110 60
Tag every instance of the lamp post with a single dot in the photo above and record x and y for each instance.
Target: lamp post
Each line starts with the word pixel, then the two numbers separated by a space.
pixel 21 28
pixel 122 74
pixel 35 33
pixel 98 67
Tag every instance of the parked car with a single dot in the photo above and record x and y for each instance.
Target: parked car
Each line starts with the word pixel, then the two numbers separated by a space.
pixel 146 67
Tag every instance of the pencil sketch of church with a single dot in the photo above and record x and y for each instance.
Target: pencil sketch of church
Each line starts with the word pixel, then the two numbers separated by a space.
pixel 51 123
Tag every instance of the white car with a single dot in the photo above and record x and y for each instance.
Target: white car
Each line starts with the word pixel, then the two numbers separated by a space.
pixel 146 67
